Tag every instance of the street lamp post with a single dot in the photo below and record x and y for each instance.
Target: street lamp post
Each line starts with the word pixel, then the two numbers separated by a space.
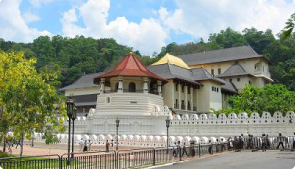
pixel 117 127
pixel 70 108
pixel 167 126
pixel 74 116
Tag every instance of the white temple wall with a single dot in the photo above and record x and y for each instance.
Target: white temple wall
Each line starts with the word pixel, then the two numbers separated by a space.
pixel 148 131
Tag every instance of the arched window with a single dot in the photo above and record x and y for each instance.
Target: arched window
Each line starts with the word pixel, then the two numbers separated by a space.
pixel 132 87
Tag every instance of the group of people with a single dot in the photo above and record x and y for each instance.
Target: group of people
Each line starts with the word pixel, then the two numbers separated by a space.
pixel 259 143
pixel 109 144
pixel 9 144
pixel 85 145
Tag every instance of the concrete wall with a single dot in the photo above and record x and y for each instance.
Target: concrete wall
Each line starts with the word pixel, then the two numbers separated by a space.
pixel 207 98
pixel 262 68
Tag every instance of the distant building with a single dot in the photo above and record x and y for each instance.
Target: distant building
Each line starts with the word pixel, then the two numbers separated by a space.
pixel 189 84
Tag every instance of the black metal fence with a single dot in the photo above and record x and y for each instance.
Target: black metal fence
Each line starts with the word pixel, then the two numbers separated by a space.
pixel 137 157
pixel 111 160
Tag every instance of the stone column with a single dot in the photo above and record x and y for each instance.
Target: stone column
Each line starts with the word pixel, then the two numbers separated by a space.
pixel 179 95
pixel 102 80
pixel 185 97
pixel 145 85
pixel 159 83
pixel 173 93
pixel 192 98
pixel 120 85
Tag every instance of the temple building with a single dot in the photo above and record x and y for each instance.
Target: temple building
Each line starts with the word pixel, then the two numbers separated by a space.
pixel 186 84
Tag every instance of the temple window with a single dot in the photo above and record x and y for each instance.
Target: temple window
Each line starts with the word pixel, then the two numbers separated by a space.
pixel 132 87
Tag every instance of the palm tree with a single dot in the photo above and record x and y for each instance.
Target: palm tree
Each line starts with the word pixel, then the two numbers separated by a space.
pixel 287 31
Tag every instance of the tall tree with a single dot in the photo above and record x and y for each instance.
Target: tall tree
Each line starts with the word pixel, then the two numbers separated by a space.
pixel 290 24
pixel 28 100
pixel 228 38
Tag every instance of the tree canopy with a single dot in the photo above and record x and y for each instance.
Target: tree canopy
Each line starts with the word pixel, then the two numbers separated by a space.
pixel 72 57
pixel 270 98
pixel 28 101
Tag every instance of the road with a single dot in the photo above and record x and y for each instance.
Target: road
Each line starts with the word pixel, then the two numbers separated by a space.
pixel 242 160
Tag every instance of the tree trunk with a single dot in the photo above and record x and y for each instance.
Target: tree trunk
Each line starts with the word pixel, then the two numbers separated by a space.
pixel 4 144
pixel 22 143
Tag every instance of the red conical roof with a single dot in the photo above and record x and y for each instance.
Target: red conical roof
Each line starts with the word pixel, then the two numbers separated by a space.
pixel 130 66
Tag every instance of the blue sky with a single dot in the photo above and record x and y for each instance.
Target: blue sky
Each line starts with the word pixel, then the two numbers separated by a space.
pixel 146 25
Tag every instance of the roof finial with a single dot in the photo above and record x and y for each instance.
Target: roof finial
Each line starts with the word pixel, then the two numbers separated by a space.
pixel 131 53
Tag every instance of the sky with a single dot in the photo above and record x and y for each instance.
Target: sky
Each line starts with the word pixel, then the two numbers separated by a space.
pixel 145 25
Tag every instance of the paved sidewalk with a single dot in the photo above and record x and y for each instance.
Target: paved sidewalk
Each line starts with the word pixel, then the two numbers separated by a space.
pixel 242 160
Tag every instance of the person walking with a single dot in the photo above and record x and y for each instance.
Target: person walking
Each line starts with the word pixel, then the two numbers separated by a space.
pixel 210 147
pixel 267 142
pixel 17 144
pixel 81 143
pixel 85 146
pixel 9 143
pixel 107 146
pixel 89 145
pixel 281 140
pixel 112 145
pixel 184 149
pixel 174 148
pixel 178 149
pixel 264 143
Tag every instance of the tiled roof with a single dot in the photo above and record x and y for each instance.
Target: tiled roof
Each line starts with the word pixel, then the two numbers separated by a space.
pixel 235 70
pixel 200 74
pixel 83 81
pixel 169 71
pixel 222 55
pixel 130 66
pixel 229 87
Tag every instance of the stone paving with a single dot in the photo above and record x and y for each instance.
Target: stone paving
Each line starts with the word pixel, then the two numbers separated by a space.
pixel 242 160
pixel 43 149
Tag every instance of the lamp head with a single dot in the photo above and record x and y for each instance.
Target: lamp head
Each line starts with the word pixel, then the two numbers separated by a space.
pixel 70 107
pixel 117 123
pixel 167 122
pixel 74 117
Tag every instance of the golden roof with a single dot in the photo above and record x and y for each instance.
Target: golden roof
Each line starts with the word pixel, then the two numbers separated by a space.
pixel 170 59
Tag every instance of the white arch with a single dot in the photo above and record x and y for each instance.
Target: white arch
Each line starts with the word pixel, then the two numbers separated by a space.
pixel 204 140
pixel 196 139
pixel 86 137
pixel 93 137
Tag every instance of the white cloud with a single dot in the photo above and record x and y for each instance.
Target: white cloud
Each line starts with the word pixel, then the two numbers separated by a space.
pixel 37 3
pixel 199 18
pixel 30 17
pixel 13 25
pixel 147 36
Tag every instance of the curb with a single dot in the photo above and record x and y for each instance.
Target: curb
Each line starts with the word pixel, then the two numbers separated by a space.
pixel 164 165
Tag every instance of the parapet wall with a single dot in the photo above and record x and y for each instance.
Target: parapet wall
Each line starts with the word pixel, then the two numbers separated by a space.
pixel 200 128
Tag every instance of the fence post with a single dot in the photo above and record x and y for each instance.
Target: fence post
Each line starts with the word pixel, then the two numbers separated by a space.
pixel 154 156
pixel 60 161
pixel 180 153
pixel 199 149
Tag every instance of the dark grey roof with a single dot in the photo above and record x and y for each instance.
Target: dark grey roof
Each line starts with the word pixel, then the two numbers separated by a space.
pixel 83 81
pixel 85 100
pixel 170 71
pixel 229 87
pixel 200 74
pixel 235 70
pixel 222 55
